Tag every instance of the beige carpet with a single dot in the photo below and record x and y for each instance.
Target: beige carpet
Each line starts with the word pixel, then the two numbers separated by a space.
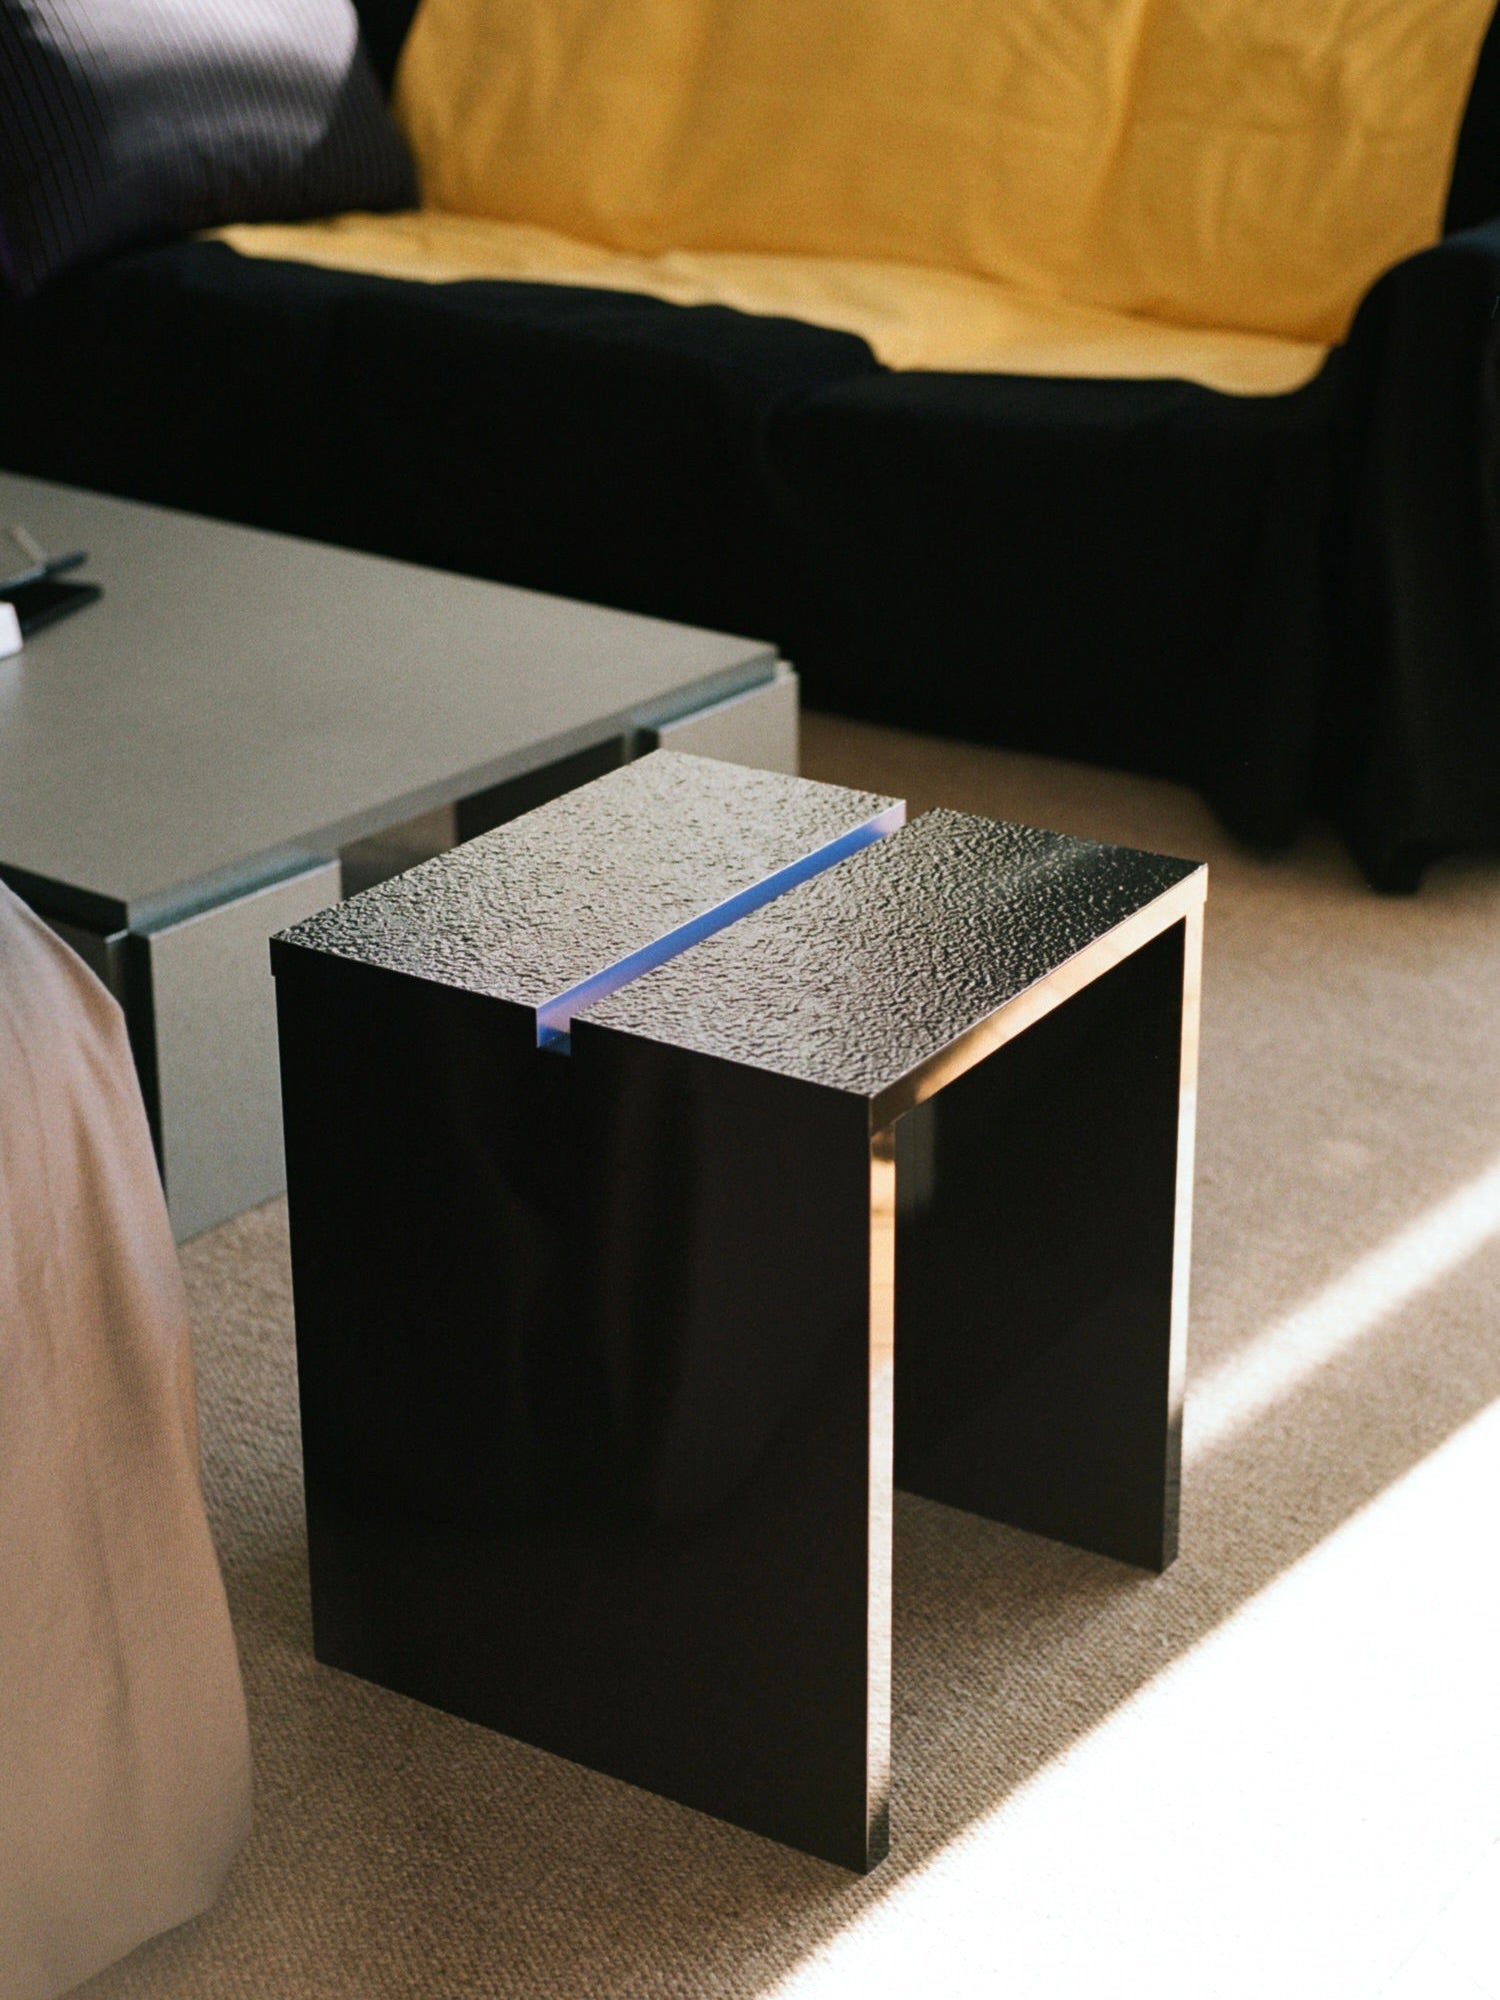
pixel 1345 1327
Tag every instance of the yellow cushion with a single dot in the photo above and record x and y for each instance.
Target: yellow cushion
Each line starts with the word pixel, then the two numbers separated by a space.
pixel 1224 164
pixel 912 318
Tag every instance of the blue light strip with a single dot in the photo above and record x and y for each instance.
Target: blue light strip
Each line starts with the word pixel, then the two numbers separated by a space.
pixel 554 1017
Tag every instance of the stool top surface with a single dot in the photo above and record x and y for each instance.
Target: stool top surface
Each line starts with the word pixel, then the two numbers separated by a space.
pixel 567 894
pixel 868 971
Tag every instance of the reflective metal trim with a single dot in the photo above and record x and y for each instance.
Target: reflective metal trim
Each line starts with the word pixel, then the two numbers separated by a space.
pixel 882 1485
pixel 1182 1239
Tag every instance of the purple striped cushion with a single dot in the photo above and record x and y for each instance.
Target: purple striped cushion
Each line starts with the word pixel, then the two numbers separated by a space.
pixel 124 121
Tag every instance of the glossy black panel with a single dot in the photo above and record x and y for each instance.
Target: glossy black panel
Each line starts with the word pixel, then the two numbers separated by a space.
pixel 584 1366
pixel 861 975
pixel 1034 1263
pixel 734 1267
pixel 564 892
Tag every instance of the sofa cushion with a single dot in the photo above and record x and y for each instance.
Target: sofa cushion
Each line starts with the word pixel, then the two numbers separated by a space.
pixel 1131 573
pixel 1207 162
pixel 122 123
pixel 162 375
pixel 598 444
pixel 593 443
pixel 912 317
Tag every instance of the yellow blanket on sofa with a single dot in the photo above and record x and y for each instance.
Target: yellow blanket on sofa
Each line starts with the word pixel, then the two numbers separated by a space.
pixel 1195 187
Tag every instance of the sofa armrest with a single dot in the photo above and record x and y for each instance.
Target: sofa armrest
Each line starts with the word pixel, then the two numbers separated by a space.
pixel 1415 767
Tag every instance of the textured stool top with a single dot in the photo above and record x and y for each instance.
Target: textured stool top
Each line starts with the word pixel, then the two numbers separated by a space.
pixel 861 975
pixel 589 889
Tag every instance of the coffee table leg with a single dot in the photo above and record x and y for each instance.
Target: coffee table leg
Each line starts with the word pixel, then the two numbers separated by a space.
pixel 196 993
pixel 1042 1254
pixel 213 1028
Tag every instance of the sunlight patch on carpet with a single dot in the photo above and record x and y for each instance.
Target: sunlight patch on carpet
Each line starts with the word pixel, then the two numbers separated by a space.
pixel 1279 1360
pixel 1286 1808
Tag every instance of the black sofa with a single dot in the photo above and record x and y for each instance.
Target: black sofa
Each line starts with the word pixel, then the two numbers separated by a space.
pixel 1287 601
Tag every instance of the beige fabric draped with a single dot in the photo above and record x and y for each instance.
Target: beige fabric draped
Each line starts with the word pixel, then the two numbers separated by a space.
pixel 1208 163
pixel 1192 189
pixel 912 316
pixel 124 1761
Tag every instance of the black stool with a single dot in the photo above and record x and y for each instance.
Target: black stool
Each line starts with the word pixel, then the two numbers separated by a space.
pixel 623 1143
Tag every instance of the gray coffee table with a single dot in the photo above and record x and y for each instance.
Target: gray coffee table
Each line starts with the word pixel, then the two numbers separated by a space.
pixel 183 765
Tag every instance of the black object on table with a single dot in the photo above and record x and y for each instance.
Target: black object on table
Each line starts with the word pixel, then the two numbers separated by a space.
pixel 36 591
pixel 619 1159
pixel 48 599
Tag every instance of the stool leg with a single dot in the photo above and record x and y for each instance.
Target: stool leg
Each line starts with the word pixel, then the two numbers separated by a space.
pixel 738 1269
pixel 1044 1200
